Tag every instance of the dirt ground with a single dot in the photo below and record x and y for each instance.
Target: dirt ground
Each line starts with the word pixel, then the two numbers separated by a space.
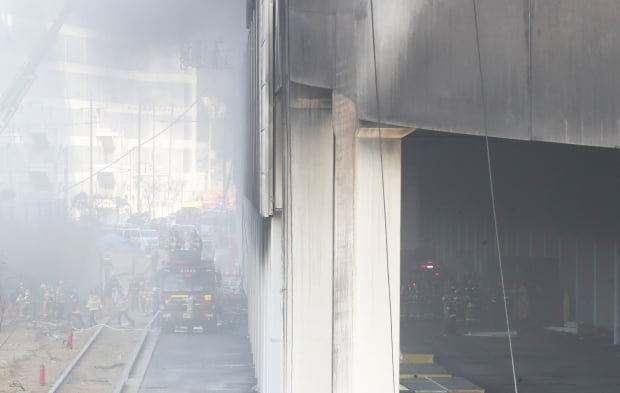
pixel 103 365
pixel 25 346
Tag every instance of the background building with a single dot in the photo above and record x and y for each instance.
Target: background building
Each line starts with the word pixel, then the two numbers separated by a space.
pixel 96 97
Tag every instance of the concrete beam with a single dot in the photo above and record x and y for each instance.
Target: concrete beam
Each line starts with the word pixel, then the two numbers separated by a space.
pixel 384 132
pixel 309 97
pixel 366 253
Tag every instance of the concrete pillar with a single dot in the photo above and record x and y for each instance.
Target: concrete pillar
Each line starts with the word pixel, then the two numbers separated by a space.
pixel 376 305
pixel 251 255
pixel 345 126
pixel 308 203
pixel 340 266
pixel 274 339
pixel 250 274
pixel 262 239
pixel 366 253
pixel 263 261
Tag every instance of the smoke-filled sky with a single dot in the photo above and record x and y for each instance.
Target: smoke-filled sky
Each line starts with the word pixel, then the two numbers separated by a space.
pixel 153 35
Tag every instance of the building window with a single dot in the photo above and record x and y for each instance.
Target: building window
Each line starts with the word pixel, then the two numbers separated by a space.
pixel 107 144
pixel 106 180
pixel 40 181
pixel 6 19
pixel 40 142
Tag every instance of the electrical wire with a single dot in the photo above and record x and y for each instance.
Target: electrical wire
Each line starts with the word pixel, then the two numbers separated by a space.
pixel 35 127
pixel 334 147
pixel 493 205
pixel 385 226
pixel 42 126
pixel 530 76
pixel 139 145
pixel 289 266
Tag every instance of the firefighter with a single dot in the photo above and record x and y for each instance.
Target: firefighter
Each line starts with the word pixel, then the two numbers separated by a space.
pixel 471 303
pixel 93 306
pixel 523 302
pixel 134 295
pixel 123 310
pixel 110 294
pixel 189 306
pixel 495 314
pixel 75 311
pixel 404 303
pixel 18 296
pixel 412 301
pixel 566 303
pixel 147 299
pixel 60 299
pixel 23 301
pixel 46 308
pixel 449 300
pixel 107 297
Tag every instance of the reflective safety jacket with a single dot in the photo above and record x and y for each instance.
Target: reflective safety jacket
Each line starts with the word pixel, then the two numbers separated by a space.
pixel 123 303
pixel 94 303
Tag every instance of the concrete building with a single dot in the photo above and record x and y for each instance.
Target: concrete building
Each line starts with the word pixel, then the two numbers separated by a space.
pixel 97 95
pixel 334 88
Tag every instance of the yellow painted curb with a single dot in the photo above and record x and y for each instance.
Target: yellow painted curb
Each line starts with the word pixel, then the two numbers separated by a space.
pixel 432 391
pixel 425 375
pixel 403 388
pixel 418 358
pixel 467 390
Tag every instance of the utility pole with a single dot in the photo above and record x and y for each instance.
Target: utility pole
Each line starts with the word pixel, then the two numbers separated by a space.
pixel 170 150
pixel 66 178
pixel 224 183
pixel 153 167
pixel 90 178
pixel 227 169
pixel 209 150
pixel 138 186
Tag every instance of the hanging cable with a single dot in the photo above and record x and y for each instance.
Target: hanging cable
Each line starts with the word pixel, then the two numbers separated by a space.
pixel 490 171
pixel 334 155
pixel 385 226
pixel 139 145
pixel 289 266
pixel 530 76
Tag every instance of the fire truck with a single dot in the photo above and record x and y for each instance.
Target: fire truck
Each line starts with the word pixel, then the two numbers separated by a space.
pixel 189 288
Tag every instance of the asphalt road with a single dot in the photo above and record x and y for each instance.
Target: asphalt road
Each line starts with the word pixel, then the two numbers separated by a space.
pixel 201 363
pixel 545 362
